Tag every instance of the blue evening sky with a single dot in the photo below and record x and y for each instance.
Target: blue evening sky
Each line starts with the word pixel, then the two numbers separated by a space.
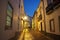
pixel 30 6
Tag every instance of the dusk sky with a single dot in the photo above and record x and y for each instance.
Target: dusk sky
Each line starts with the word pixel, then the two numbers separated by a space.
pixel 30 6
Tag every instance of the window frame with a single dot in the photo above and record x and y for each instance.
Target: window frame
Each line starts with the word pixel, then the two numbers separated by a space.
pixel 41 26
pixel 52 29
pixel 51 1
pixel 18 22
pixel 59 22
pixel 6 26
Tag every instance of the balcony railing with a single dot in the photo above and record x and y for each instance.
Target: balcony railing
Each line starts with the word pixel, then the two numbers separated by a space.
pixel 52 6
pixel 49 8
pixel 56 4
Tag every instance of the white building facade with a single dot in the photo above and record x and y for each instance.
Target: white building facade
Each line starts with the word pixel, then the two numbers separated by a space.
pixel 9 18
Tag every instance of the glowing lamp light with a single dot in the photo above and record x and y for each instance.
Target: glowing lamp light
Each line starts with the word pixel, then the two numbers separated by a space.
pixel 25 18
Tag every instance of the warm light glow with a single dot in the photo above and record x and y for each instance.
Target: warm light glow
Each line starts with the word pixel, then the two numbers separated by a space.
pixel 25 18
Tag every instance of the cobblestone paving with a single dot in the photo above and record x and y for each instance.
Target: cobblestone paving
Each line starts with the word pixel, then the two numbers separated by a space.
pixel 32 35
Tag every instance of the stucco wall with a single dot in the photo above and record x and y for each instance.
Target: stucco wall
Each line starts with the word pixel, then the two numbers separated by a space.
pixel 54 15
pixel 7 34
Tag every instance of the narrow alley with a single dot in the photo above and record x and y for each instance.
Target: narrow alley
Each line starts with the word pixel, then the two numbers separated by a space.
pixel 29 19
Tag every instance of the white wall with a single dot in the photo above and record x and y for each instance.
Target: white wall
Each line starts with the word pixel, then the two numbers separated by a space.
pixel 54 15
pixel 7 34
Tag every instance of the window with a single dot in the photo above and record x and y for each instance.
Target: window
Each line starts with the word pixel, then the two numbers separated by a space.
pixel 9 17
pixel 55 1
pixel 49 2
pixel 59 22
pixel 52 5
pixel 41 26
pixel 19 3
pixel 18 22
pixel 52 26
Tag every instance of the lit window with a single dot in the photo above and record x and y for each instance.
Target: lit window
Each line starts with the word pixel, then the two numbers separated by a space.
pixel 9 17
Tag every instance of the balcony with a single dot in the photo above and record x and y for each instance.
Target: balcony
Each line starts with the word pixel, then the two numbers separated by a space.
pixel 40 17
pixel 56 4
pixel 49 9
pixel 52 6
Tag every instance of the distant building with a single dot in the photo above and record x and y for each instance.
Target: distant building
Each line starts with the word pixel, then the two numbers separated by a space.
pixel 27 23
pixel 30 21
pixel 38 18
pixel 34 21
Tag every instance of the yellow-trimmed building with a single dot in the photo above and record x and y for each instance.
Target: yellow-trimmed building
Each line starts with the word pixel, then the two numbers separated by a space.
pixel 38 18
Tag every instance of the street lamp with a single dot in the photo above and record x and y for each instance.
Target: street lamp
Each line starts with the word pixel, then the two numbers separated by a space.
pixel 25 18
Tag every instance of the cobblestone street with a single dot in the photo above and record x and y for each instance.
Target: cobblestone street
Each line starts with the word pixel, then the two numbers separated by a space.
pixel 32 35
